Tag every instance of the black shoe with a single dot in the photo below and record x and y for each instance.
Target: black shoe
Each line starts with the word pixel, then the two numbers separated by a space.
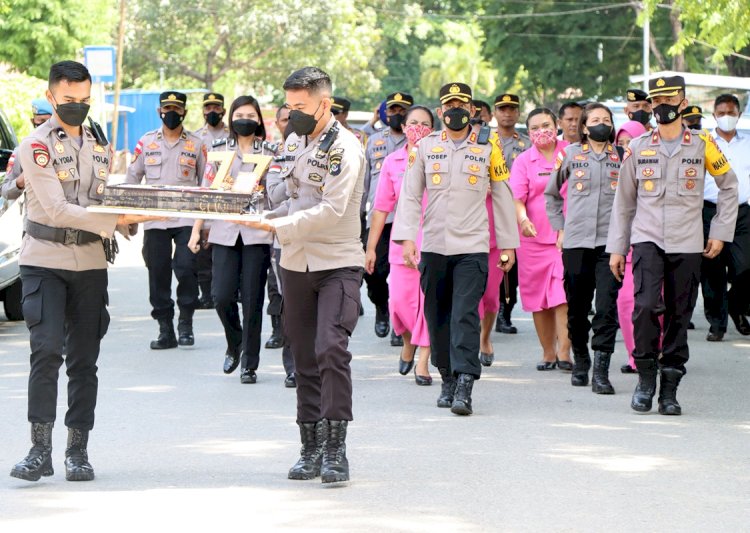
pixel 627 369
pixel 291 381
pixel 447 389
pixel 231 361
pixel 670 380
pixel 643 395
pixel 581 365
pixel 404 367
pixel 741 323
pixel 600 383
pixel 276 340
pixel 77 466
pixel 396 340
pixel 248 376
pixel 167 338
pixel 313 436
pixel 486 359
pixel 335 467
pixel 715 336
pixel 205 302
pixel 503 323
pixel 424 381
pixel 185 332
pixel 38 462
pixel 546 365
pixel 565 366
pixel 691 325
pixel 382 326
pixel 462 398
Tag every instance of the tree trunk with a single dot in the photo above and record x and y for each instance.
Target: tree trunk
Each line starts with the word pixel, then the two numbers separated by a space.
pixel 678 61
pixel 738 66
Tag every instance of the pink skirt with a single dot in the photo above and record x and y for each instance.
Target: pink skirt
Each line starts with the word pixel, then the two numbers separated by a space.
pixel 490 302
pixel 406 304
pixel 540 276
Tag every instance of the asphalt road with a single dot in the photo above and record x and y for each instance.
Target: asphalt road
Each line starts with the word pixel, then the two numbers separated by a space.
pixel 179 446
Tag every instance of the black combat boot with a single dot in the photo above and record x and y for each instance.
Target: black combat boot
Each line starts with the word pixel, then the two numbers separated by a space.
pixel 600 378
pixel 581 365
pixel 77 466
pixel 276 340
pixel 382 324
pixel 462 398
pixel 205 301
pixel 313 436
pixel 646 388
pixel 185 331
pixel 670 379
pixel 38 462
pixel 448 389
pixel 503 323
pixel 335 467
pixel 166 337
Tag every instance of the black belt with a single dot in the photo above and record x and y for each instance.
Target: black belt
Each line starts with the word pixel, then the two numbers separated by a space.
pixel 61 235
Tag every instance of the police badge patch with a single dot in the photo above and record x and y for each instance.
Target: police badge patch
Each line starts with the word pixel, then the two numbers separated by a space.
pixel 41 154
pixel 334 161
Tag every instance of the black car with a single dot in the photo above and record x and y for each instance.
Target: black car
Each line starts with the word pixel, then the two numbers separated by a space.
pixel 11 225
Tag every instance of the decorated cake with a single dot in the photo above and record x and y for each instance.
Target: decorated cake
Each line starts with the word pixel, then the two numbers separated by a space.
pixel 183 199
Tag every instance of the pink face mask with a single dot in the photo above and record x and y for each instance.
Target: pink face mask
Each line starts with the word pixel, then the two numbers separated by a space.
pixel 416 132
pixel 543 137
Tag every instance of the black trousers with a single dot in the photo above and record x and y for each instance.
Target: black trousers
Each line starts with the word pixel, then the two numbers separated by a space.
pixel 274 289
pixel 320 314
pixel 512 292
pixel 64 308
pixel 161 261
pixel 586 271
pixel 203 266
pixel 453 285
pixel 377 282
pixel 678 276
pixel 244 268
pixel 286 352
pixel 731 266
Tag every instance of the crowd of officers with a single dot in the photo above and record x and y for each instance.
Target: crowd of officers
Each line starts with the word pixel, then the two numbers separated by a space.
pixel 670 198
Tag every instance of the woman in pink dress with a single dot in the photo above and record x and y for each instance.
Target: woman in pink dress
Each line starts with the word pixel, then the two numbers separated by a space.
pixel 489 305
pixel 540 268
pixel 406 301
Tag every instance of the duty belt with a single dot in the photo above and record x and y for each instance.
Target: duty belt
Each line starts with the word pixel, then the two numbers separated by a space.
pixel 62 235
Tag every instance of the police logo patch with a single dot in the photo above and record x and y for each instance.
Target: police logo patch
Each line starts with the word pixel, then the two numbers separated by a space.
pixel 59 148
pixel 291 147
pixel 473 180
pixel 378 165
pixel 436 166
pixel 153 146
pixel 186 173
pixel 62 175
pixel 412 158
pixel 648 185
pixel 190 146
pixel 472 149
pixel 41 155
pixel 613 185
pixel 580 157
pixel 437 150
pixel 102 173
pixel 648 172
pixel 614 174
pixel 436 179
pixel 690 185
pixel 691 173
pixel 100 189
pixel 579 186
pixel 97 148
pixel 314 176
pixel 473 168
pixel 379 142
pixel 150 161
pixel 580 174
pixel 334 161
pixel 614 158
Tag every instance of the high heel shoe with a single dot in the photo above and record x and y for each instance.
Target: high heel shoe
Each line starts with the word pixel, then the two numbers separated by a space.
pixel 404 367
pixel 546 365
pixel 565 366
pixel 422 380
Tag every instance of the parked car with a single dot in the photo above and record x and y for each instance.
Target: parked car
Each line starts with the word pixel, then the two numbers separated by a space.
pixel 11 228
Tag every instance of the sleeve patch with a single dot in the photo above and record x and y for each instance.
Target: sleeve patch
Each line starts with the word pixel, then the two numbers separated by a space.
pixel 716 161
pixel 498 167
pixel 41 154
pixel 334 161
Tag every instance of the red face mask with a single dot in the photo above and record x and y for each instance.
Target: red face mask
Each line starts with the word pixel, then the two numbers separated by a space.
pixel 416 132
pixel 543 137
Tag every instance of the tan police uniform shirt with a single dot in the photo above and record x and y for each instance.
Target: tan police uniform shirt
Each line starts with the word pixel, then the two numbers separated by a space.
pixel 378 147
pixel 321 226
pixel 62 178
pixel 224 232
pixel 456 179
pixel 659 196
pixel 513 146
pixel 180 164
pixel 9 189
pixel 592 183
pixel 210 135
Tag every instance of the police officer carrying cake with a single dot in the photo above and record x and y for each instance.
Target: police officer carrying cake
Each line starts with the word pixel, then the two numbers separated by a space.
pixel 321 268
pixel 379 146
pixel 658 209
pixel 63 266
pixel 507 115
pixel 638 107
pixel 455 167
pixel 172 156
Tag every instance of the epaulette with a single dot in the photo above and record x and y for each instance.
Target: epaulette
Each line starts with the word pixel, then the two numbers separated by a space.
pixel 484 135
pixel 272 147
pixel 219 142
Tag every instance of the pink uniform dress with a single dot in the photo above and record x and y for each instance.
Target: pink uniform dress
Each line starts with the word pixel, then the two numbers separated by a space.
pixel 540 267
pixel 490 302
pixel 406 300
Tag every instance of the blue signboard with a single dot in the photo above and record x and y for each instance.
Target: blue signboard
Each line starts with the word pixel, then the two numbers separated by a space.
pixel 100 60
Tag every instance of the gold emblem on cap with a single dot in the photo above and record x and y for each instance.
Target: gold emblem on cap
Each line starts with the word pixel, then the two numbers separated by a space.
pixel 397 97
pixel 506 98
pixel 660 82
pixel 696 110
pixel 631 96
pixel 212 97
pixel 454 89
pixel 172 97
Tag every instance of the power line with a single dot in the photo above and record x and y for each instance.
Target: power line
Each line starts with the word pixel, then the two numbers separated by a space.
pixel 505 16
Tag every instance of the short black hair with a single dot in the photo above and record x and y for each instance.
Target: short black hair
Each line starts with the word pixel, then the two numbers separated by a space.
pixel 70 71
pixel 727 99
pixel 423 108
pixel 260 131
pixel 569 105
pixel 481 104
pixel 310 79
pixel 541 111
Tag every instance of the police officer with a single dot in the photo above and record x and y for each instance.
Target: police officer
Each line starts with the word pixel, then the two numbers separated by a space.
pixel 638 107
pixel 379 146
pixel 569 117
pixel 591 169
pixel 14 182
pixel 507 115
pixel 321 268
pixel 718 303
pixel 692 118
pixel 170 155
pixel 455 166
pixel 340 109
pixel 482 113
pixel 64 270
pixel 657 209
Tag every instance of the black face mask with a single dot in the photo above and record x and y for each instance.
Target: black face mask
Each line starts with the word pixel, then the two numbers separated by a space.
pixel 396 122
pixel 600 132
pixel 477 120
pixel 456 118
pixel 213 118
pixel 302 123
pixel 245 127
pixel 697 126
pixel 641 116
pixel 73 114
pixel 172 119
pixel 666 114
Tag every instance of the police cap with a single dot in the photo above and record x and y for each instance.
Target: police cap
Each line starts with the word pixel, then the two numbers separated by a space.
pixel 666 86
pixel 505 99
pixel 403 99
pixel 172 98
pixel 40 106
pixel 340 105
pixel 213 98
pixel 692 111
pixel 455 91
pixel 636 95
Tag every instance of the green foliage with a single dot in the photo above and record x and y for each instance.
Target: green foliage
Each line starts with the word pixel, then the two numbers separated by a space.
pixel 16 93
